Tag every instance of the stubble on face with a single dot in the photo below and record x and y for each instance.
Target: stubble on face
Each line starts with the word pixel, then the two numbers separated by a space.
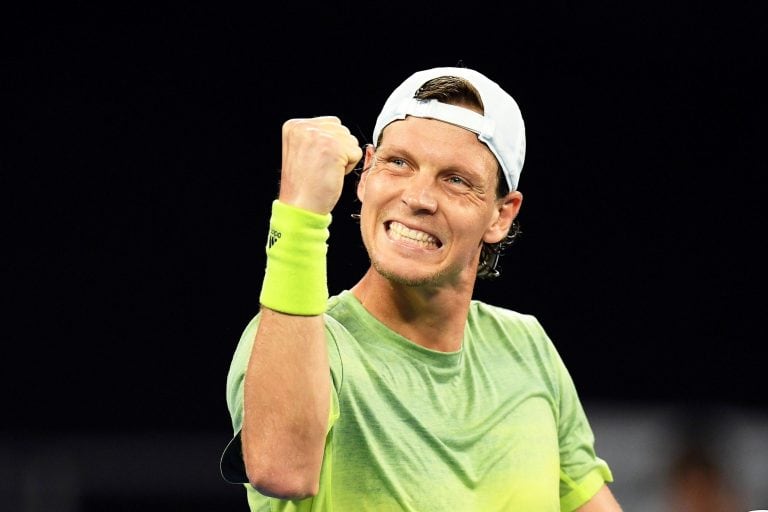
pixel 435 279
pixel 424 281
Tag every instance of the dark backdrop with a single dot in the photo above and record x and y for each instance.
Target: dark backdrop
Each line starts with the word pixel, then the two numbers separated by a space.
pixel 142 150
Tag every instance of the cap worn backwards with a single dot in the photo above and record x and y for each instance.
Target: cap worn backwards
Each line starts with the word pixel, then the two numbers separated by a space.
pixel 501 126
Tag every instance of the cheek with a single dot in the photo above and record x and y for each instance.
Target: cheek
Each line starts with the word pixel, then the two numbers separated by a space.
pixel 375 188
pixel 472 227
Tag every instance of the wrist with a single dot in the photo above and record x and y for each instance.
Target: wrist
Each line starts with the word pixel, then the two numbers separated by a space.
pixel 295 279
pixel 307 202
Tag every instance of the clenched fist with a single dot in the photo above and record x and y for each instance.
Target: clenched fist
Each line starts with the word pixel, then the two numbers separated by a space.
pixel 317 154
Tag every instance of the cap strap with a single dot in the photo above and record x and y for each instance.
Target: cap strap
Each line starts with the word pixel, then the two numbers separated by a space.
pixel 460 116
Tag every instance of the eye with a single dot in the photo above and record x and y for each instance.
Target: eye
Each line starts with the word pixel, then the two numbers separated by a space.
pixel 457 180
pixel 396 165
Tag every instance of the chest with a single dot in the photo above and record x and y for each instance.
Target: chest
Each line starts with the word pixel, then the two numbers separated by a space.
pixel 485 431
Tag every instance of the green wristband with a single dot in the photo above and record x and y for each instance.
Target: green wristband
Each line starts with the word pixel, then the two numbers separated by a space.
pixel 295 281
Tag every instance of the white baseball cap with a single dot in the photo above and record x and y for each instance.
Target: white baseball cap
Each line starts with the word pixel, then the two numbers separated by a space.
pixel 501 126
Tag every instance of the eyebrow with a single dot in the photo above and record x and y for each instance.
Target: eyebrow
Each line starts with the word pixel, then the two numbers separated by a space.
pixel 387 150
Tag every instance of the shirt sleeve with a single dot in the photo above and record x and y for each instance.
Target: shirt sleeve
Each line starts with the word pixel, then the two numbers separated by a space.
pixel 582 472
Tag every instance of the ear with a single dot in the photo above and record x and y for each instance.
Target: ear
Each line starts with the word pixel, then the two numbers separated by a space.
pixel 367 164
pixel 507 209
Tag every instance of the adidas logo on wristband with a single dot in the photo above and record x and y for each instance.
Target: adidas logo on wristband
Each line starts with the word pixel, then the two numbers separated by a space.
pixel 274 236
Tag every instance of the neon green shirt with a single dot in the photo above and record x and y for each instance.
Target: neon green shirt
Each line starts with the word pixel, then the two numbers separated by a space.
pixel 495 426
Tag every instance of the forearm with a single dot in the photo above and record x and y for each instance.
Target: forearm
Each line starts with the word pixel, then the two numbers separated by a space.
pixel 287 382
pixel 286 405
pixel 286 394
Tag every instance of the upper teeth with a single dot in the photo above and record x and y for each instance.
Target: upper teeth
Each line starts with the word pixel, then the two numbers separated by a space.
pixel 400 231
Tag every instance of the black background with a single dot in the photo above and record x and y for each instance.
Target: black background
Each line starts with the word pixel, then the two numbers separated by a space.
pixel 142 149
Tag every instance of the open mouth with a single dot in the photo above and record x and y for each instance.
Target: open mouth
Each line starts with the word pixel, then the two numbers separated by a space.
pixel 402 233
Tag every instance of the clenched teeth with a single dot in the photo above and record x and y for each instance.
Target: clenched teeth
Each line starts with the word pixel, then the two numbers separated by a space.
pixel 400 232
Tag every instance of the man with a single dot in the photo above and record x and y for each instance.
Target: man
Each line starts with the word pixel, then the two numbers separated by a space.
pixel 405 393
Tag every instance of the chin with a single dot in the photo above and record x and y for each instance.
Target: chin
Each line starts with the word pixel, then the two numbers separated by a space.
pixel 410 279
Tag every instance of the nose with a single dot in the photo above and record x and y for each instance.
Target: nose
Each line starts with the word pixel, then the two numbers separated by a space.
pixel 419 194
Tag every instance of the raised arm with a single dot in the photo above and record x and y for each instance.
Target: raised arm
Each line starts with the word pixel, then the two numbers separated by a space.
pixel 287 382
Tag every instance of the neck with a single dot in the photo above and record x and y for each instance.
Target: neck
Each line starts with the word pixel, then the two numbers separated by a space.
pixel 433 317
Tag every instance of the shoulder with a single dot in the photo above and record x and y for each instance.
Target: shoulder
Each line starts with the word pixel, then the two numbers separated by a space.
pixel 520 332
pixel 346 317
pixel 484 314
